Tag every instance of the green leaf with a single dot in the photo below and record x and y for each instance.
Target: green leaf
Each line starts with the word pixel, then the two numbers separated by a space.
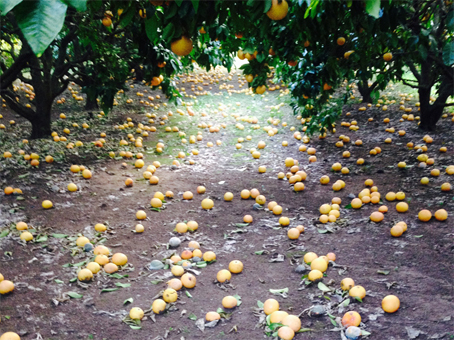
pixel 450 21
pixel 79 5
pixel 373 8
pixel 419 236
pixel 127 17
pixel 260 304
pixel 135 327
pixel 259 252
pixel 345 303
pixel 238 299
pixel 41 238
pixel 383 272
pixel 117 276
pixel 40 21
pixel 241 225
pixel 130 300
pixel 168 32
pixel 192 317
pixel 358 299
pixel 74 279
pixel 122 285
pixel 58 281
pixel 188 294
pixel 108 290
pixel 448 54
pixel 74 295
pixel 322 231
pixel 78 264
pixel 4 233
pixel 303 330
pixel 348 206
pixel 151 28
pixel 8 5
pixel 333 322
pixel 59 235
pixel 195 3
pixel 323 287
pixel 155 282
pixel 268 4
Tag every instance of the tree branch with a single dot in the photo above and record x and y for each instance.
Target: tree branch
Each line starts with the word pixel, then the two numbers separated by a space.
pixel 21 110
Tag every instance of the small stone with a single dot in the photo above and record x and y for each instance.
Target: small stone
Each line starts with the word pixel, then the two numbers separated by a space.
pixel 422 165
pixel 196 259
pixel 88 247
pixel 300 269
pixel 173 167
pixel 318 310
pixel 174 242
pixel 156 265
pixel 351 196
pixel 353 333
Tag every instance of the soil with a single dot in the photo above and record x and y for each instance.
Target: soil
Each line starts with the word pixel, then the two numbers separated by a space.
pixel 416 267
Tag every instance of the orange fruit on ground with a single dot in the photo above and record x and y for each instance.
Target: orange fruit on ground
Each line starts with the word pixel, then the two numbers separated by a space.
pixel 247 219
pixel 285 333
pixel 136 313
pixel 315 275
pixel 192 225
pixel 119 259
pixel 356 203
pixel 357 292
pixel 85 275
pixel 82 241
pixel 47 204
pixel 397 230
pixel 351 319
pixel 441 215
pixel 245 194
pixel 188 280
pixel 278 316
pixel 101 250
pixel 228 196
pixel 300 228
pixel 390 304
pixel 236 266
pixel 347 283
pixel 187 195
pixel 141 215
pixel 201 189
pixel 175 284
pixel 209 256
pixel 170 295
pixel 94 267
pixel 223 275
pixel 186 254
pixel 10 336
pixel 277 210
pixel 181 227
pixel 207 204
pixel 293 233
pixel 211 316
pixel 376 216
pixel 319 264
pixel 424 215
pixel 158 306
pixel 402 207
pixel 309 257
pixel 177 270
pixel 270 306
pixel 293 322
pixel 100 227
pixel 383 209
pixel 331 256
pixel 229 302
pixel 102 259
pixel 21 226
pixel 6 287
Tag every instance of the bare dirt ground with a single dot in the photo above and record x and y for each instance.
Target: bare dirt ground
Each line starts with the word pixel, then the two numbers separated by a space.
pixel 417 267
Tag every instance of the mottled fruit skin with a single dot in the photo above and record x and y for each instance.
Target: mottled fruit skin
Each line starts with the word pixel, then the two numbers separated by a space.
pixel 353 333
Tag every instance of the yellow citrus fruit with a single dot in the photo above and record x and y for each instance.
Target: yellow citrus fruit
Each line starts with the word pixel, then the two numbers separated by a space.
pixel 26 236
pixel 188 280
pixel 347 283
pixel 170 295
pixel 158 306
pixel 270 306
pixel 357 292
pixel 351 319
pixel 6 287
pixel 85 275
pixel 94 267
pixel 177 270
pixel 47 204
pixel 182 46
pixel 319 264
pixel 100 227
pixel 390 304
pixel 402 207
pixel 285 333
pixel 119 259
pixel 211 316
pixel 229 302
pixel 293 322
pixel 441 215
pixel 136 313
pixel 278 316
pixel 236 266
pixel 207 204
pixel 223 275
pixel 10 336
pixel 309 257
pixel 278 10
pixel 315 275
pixel 424 215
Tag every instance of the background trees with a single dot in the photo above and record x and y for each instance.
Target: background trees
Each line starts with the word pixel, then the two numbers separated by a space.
pixel 314 46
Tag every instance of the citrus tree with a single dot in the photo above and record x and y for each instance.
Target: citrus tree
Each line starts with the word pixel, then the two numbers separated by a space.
pixel 313 45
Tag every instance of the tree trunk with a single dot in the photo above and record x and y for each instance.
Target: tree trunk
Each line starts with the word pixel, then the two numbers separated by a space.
pixel 365 90
pixel 430 114
pixel 41 126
